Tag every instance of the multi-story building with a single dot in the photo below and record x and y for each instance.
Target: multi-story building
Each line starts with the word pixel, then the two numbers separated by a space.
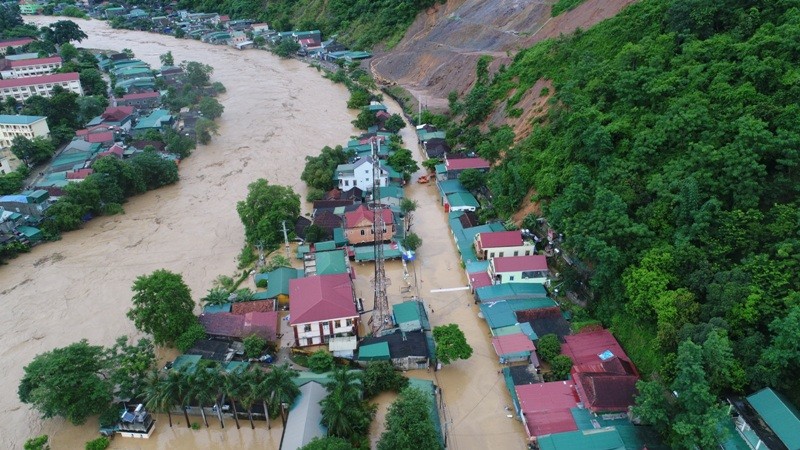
pixel 30 67
pixel 22 88
pixel 25 126
pixel 322 307
pixel 14 43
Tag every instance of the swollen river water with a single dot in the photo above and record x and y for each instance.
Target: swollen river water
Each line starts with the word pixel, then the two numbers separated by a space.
pixel 276 113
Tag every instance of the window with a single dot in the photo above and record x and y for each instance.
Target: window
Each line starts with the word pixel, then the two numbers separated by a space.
pixel 491 255
pixel 307 327
pixel 337 324
pixel 349 322
pixel 511 278
pixel 309 341
pixel 527 252
pixel 362 232
pixel 500 254
pixel 516 253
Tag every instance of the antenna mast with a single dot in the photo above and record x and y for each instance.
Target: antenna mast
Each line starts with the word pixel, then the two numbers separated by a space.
pixel 380 314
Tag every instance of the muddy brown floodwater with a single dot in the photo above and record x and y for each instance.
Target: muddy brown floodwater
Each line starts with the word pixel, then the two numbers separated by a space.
pixel 277 112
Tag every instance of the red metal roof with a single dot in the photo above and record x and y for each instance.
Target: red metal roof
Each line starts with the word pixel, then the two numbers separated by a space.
pixel 140 95
pixel 479 279
pixel 254 306
pixel 320 298
pixel 353 218
pixel 79 174
pixel 520 263
pixel 117 113
pixel 115 150
pixel 585 348
pixel 546 407
pixel 512 343
pixel 52 78
pixel 99 137
pixel 605 392
pixel 264 324
pixel 466 163
pixel 35 61
pixel 495 239
pixel 16 42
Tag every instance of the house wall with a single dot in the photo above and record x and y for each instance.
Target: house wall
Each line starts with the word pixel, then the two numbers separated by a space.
pixel 316 333
pixel 361 178
pixel 355 235
pixel 9 131
pixel 533 276
pixel 411 363
pixel 21 93
pixel 33 70
pixel 521 250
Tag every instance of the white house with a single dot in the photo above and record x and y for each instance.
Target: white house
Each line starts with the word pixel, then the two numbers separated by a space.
pixel 360 175
pixel 30 67
pixel 322 307
pixel 518 269
pixel 22 88
pixel 502 243
pixel 26 126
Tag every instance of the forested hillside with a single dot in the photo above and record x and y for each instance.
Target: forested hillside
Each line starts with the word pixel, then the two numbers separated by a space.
pixel 359 24
pixel 669 160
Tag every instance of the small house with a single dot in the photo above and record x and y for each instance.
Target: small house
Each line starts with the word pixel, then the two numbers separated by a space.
pixel 545 408
pixel 278 285
pixel 322 307
pixel 502 243
pixel 519 269
pixel 411 316
pixel 360 174
pixel 454 166
pixel 359 225
pixel 406 351
pixel 516 347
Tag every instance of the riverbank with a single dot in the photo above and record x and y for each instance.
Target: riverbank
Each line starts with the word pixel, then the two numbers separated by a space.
pixel 276 112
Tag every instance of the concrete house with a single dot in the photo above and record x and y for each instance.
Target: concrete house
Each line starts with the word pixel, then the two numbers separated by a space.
pixel 322 307
pixel 26 126
pixel 454 167
pixel 29 67
pixel 360 175
pixel 502 243
pixel 519 269
pixel 21 89
pixel 358 225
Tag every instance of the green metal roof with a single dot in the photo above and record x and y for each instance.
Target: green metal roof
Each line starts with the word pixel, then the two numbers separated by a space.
pixel 367 253
pixel 427 135
pixel 187 362
pixel 779 414
pixel 154 120
pixel 339 237
pixel 302 250
pixel 410 312
pixel 391 191
pixel 524 328
pixel 331 262
pixel 307 376
pixel 325 246
pixel 510 291
pixel 374 352
pixel 498 315
pixel 450 187
pixel 633 436
pixel 440 168
pixel 30 232
pixel 214 309
pixel 278 281
pixel 460 199
pixel 19 120
pixel 600 439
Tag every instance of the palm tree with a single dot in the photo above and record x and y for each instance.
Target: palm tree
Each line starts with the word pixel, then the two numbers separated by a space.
pixel 282 388
pixel 216 296
pixel 156 398
pixel 175 387
pixel 250 382
pixel 234 389
pixel 341 409
pixel 205 386
pixel 263 390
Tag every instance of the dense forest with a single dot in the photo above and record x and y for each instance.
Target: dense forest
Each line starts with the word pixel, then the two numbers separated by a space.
pixel 360 24
pixel 669 158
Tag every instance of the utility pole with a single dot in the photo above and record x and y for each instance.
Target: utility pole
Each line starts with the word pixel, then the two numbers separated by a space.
pixel 285 238
pixel 261 258
pixel 380 314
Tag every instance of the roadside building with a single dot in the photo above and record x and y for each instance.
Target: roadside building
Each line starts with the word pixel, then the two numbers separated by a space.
pixel 502 243
pixel 26 126
pixel 142 100
pixel 545 408
pixel 14 43
pixel 360 175
pixel 29 67
pixel 454 166
pixel 322 307
pixel 21 89
pixel 359 225
pixel 519 269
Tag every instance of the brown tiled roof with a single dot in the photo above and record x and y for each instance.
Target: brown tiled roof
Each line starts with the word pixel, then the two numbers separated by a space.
pixel 254 306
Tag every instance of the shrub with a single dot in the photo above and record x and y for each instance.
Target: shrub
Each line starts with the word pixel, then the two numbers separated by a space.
pixel 254 345
pixel 192 334
pixel 320 361
pixel 548 347
pixel 100 443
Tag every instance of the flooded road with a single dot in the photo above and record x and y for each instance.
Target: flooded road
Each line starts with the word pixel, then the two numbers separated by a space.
pixel 276 113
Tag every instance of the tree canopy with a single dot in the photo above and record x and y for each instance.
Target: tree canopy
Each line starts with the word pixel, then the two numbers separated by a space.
pixel 264 210
pixel 451 344
pixel 67 382
pixel 409 423
pixel 162 306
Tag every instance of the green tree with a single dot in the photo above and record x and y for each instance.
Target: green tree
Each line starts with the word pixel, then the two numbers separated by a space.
pixel 548 347
pixel 205 128
pixel 254 345
pixel 320 361
pixel 359 98
pixel 394 123
pixel 167 59
pixel 32 151
pixel 155 170
pixel 11 183
pixel 81 367
pixel 343 412
pixel 234 386
pixel 381 376
pixel 210 108
pixel 365 119
pixel 409 423
pixel 319 170
pixel 278 389
pixel 412 241
pixel 431 163
pixel 782 355
pixel 39 442
pixel 264 210
pixel 100 443
pixel 286 48
pixel 197 74
pixel 560 367
pixel 91 106
pixel 162 306
pixel 327 443
pixel 205 386
pixel 216 296
pixel 193 333
pixel 64 31
pixel 68 52
pixel 93 83
pixel 451 344
pixel 130 365
pixel 156 397
pixel 472 179
pixel 403 162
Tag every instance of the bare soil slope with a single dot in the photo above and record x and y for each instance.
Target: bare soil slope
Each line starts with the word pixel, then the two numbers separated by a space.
pixel 438 53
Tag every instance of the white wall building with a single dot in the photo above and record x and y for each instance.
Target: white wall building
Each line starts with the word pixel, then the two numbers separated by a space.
pixel 25 126
pixel 360 175
pixel 30 67
pixel 22 88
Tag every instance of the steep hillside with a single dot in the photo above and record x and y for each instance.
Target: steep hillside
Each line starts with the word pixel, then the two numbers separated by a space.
pixel 439 51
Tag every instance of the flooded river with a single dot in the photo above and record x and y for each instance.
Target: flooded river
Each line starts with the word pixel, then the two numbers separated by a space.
pixel 277 112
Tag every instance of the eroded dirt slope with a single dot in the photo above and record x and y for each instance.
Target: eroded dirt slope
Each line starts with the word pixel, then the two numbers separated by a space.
pixel 439 51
